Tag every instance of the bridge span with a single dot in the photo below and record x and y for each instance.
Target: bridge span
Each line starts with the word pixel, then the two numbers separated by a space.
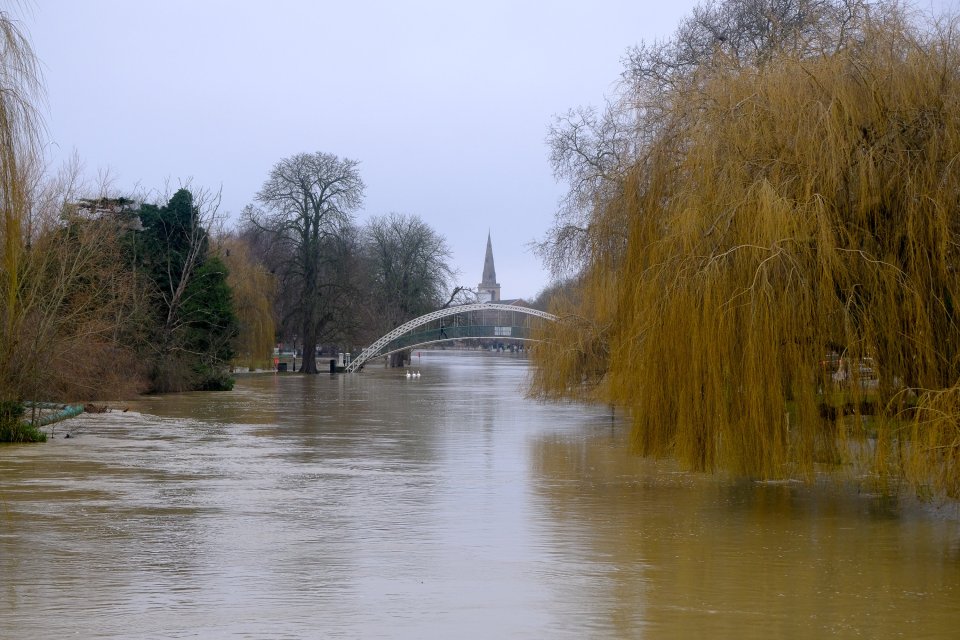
pixel 469 321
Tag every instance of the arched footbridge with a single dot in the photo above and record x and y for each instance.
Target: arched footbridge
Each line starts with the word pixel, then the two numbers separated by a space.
pixel 469 321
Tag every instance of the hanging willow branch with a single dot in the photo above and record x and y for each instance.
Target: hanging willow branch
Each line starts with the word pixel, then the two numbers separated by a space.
pixel 791 258
pixel 20 91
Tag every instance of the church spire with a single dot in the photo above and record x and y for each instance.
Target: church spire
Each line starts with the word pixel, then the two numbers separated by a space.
pixel 489 272
pixel 489 288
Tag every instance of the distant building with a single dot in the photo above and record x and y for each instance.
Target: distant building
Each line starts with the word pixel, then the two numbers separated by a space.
pixel 489 289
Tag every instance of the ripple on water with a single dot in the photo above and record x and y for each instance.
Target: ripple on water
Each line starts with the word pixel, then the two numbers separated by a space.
pixel 365 506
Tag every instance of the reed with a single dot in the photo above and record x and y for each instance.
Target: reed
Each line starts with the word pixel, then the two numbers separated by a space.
pixel 13 427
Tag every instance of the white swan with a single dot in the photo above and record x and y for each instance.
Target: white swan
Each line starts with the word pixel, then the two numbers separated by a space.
pixel 409 375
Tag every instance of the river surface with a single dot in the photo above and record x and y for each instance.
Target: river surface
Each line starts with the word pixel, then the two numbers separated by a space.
pixel 445 506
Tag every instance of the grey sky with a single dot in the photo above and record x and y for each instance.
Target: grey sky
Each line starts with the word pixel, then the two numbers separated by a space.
pixel 445 104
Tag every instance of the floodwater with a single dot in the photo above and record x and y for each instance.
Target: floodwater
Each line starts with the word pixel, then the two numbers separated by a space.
pixel 445 506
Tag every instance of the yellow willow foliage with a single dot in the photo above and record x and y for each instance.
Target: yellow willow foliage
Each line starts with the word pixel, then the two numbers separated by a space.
pixel 254 288
pixel 19 89
pixel 786 212
pixel 573 354
pixel 933 457
pixel 576 346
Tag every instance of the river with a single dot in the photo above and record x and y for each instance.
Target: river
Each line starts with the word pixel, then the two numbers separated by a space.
pixel 444 506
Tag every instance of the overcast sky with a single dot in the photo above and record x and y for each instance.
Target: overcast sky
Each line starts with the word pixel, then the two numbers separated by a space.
pixel 445 104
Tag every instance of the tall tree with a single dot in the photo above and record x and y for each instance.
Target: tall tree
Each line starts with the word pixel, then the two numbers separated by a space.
pixel 791 191
pixel 307 203
pixel 409 268
pixel 20 91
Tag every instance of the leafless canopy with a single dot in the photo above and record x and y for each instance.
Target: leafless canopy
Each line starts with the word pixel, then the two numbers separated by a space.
pixel 590 149
pixel 410 267
pixel 307 201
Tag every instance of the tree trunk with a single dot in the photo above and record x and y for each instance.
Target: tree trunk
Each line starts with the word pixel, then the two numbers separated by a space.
pixel 309 352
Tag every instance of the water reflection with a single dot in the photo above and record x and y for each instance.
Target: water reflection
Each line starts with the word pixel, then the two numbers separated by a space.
pixel 681 555
pixel 449 506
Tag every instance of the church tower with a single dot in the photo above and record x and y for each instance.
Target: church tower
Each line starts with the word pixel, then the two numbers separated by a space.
pixel 489 288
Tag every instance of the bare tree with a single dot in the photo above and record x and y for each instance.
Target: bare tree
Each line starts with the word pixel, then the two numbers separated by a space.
pixel 410 268
pixel 590 149
pixel 78 301
pixel 307 200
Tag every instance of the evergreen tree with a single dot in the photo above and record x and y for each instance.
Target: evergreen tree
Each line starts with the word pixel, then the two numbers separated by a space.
pixel 193 305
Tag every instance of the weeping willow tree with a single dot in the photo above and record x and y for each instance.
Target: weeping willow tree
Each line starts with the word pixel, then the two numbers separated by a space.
pixel 779 248
pixel 254 289
pixel 19 144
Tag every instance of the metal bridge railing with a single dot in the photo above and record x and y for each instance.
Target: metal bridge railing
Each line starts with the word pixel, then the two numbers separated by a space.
pixel 374 349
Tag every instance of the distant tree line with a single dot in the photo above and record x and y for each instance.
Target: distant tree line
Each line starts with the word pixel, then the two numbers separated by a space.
pixel 103 295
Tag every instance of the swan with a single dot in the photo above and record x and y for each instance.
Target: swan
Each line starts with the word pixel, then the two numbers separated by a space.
pixel 416 375
pixel 409 375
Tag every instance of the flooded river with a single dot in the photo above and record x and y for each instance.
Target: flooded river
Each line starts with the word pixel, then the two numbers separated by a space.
pixel 448 506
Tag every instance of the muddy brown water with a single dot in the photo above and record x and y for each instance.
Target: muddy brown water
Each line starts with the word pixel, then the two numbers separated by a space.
pixel 449 506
